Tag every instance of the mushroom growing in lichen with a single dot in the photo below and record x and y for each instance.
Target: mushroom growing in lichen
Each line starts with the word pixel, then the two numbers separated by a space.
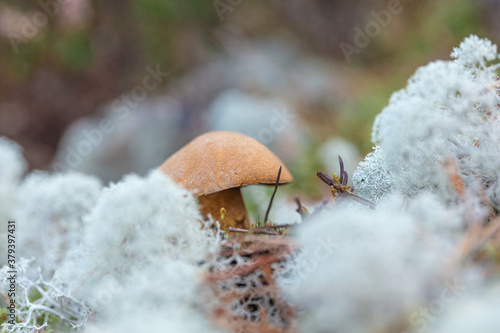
pixel 215 165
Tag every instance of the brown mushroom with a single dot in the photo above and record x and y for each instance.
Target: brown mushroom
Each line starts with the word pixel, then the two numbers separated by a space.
pixel 215 165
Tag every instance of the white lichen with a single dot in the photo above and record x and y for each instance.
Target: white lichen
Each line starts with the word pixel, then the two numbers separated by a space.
pixel 144 240
pixel 372 180
pixel 50 215
pixel 38 301
pixel 475 51
pixel 448 110
pixel 360 270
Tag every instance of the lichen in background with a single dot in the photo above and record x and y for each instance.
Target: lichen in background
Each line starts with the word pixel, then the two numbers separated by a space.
pixel 474 312
pixel 39 301
pixel 50 215
pixel 143 241
pixel 11 170
pixel 360 270
pixel 449 109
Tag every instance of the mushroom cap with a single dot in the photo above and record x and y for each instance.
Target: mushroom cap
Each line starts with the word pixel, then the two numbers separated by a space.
pixel 217 161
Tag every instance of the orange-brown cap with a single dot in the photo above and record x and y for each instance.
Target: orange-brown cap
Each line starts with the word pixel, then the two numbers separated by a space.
pixel 217 161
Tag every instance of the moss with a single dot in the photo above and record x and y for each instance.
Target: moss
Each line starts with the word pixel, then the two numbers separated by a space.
pixel 73 50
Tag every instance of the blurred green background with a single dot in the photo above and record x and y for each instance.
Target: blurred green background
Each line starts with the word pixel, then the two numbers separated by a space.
pixel 66 60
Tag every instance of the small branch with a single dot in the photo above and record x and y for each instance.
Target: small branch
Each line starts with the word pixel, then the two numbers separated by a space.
pixel 316 210
pixel 325 178
pixel 345 178
pixel 253 231
pixel 231 229
pixel 359 199
pixel 300 209
pixel 279 226
pixel 272 197
pixel 341 180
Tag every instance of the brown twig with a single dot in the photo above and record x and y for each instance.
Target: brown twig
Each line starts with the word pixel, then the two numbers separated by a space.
pixel 478 236
pixel 244 270
pixel 253 245
pixel 262 230
pixel 253 231
pixel 272 196
pixel 454 177
pixel 276 226
pixel 325 178
pixel 343 174
pixel 300 209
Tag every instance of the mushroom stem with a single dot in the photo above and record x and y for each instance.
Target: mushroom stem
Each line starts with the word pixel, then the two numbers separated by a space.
pixel 236 214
